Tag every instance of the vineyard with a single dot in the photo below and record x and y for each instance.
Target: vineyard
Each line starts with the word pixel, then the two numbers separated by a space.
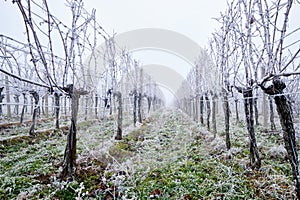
pixel 82 118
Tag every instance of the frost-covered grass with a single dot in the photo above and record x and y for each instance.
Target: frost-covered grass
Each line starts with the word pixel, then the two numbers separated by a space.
pixel 30 168
pixel 166 157
pixel 190 164
pixel 26 168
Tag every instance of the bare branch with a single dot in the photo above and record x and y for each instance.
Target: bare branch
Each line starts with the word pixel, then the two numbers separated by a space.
pixel 23 79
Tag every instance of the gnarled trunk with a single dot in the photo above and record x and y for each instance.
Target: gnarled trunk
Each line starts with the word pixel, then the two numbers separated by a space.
pixel 96 106
pixel 69 162
pixel 120 116
pixel 208 111
pixel 227 117
pixel 8 111
pixel 86 108
pixel 46 106
pixel 57 108
pixel 256 111
pixel 139 107
pixel 201 110
pixel 43 105
pixel 197 109
pixel 149 101
pixel 134 107
pixel 1 99
pixel 272 121
pixel 35 96
pixel 65 105
pixel 31 105
pixel 285 114
pixel 110 102
pixel 214 121
pixel 236 102
pixel 17 101
pixel 24 107
pixel 190 107
pixel 255 160
pixel 194 108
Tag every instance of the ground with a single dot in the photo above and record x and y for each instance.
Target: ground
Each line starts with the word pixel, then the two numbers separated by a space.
pixel 168 156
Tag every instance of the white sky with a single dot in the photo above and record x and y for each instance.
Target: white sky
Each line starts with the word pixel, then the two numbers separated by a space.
pixel 192 18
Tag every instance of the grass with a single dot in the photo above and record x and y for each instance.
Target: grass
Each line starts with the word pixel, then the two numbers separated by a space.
pixel 166 157
pixel 206 170
pixel 24 164
pixel 205 176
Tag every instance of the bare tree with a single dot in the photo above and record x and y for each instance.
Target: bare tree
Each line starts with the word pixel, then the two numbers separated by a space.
pixel 237 40
pixel 279 60
pixel 221 50
pixel 67 74
pixel 259 31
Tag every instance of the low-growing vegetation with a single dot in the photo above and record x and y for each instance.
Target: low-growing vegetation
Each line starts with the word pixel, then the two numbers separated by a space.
pixel 166 157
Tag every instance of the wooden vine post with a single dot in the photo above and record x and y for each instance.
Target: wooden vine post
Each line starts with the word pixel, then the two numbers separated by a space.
pixel 69 162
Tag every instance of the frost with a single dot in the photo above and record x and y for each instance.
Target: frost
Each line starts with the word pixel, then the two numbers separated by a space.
pixel 22 196
pixel 278 152
pixel 169 152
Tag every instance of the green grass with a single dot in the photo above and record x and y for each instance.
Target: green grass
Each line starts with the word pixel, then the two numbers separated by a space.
pixel 168 154
pixel 199 177
pixel 23 163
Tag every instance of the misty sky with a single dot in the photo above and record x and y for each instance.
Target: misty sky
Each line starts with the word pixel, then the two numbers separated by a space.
pixel 192 18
